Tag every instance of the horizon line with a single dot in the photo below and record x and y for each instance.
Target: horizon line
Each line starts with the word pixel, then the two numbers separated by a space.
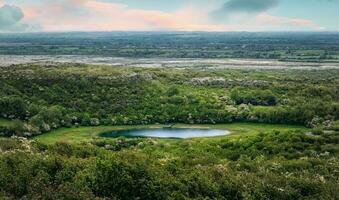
pixel 159 31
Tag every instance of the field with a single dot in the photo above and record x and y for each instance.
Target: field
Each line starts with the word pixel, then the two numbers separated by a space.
pixel 309 47
pixel 86 134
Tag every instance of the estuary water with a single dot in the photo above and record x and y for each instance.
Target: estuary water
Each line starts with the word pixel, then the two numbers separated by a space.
pixel 7 60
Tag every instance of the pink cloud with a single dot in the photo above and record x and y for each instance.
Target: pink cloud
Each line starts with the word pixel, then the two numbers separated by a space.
pixel 96 15
pixel 267 19
pixel 103 16
pixel 30 12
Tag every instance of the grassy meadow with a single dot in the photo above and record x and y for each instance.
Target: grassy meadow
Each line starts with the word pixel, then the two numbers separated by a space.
pixel 85 134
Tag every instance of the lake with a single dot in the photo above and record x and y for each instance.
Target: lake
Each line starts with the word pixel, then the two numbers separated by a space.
pixel 180 133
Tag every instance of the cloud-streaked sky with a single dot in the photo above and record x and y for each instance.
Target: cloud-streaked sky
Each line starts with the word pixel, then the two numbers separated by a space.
pixel 165 15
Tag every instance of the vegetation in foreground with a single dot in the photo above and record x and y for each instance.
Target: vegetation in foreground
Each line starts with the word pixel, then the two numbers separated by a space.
pixel 268 165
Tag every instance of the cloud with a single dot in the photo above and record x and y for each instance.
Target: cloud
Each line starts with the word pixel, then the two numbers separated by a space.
pixel 11 19
pixel 99 15
pixel 264 19
pixel 244 7
pixel 95 15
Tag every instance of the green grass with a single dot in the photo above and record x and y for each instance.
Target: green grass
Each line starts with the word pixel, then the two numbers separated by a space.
pixel 85 134
pixel 244 128
pixel 5 122
pixel 82 134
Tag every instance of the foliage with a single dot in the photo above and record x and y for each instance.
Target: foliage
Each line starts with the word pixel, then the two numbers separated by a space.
pixel 270 165
pixel 73 95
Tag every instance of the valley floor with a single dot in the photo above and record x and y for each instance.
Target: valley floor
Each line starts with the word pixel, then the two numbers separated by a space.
pixel 85 134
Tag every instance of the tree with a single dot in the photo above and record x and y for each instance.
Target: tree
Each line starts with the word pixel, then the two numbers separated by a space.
pixel 173 90
pixel 13 107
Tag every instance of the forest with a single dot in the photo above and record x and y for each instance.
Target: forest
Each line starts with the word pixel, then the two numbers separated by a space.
pixel 65 95
pixel 261 160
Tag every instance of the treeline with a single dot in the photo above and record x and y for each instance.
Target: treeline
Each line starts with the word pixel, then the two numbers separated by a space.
pixel 284 46
pixel 51 99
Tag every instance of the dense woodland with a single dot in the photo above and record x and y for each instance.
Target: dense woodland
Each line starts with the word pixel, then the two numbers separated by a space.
pixel 280 164
pixel 273 165
pixel 41 99
pixel 303 46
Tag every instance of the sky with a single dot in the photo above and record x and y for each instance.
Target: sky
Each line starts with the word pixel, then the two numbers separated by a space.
pixel 168 15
